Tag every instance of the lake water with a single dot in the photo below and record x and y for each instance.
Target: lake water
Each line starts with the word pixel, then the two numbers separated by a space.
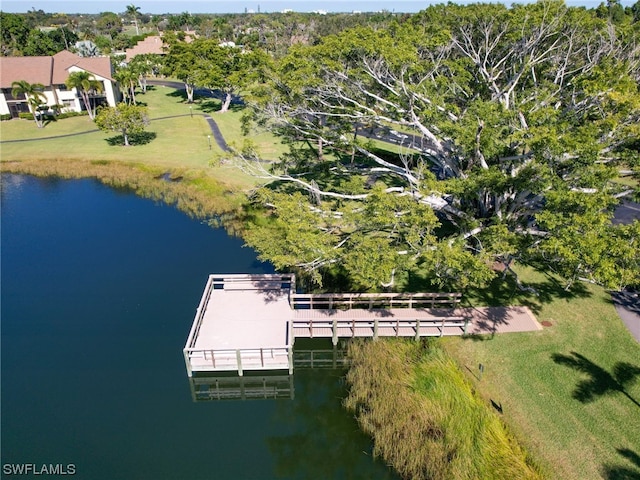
pixel 99 289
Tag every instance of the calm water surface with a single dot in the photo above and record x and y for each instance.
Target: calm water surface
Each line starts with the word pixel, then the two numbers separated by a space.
pixel 99 289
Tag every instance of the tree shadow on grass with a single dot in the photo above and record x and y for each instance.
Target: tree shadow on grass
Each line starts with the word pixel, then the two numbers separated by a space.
pixel 180 93
pixel 503 290
pixel 134 139
pixel 601 382
pixel 49 119
pixel 209 105
pixel 623 471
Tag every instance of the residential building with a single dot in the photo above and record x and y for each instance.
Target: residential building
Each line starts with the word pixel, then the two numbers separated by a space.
pixel 53 72
pixel 152 44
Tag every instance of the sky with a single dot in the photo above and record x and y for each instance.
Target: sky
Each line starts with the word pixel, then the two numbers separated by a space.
pixel 236 6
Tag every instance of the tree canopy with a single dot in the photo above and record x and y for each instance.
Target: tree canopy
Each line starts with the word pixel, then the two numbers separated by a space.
pixel 34 93
pixel 86 85
pixel 208 64
pixel 512 124
pixel 124 118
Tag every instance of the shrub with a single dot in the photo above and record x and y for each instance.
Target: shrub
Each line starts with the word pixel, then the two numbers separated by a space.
pixel 26 115
pixel 5 117
pixel 72 114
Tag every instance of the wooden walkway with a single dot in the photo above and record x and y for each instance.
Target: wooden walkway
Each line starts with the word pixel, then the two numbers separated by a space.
pixel 250 322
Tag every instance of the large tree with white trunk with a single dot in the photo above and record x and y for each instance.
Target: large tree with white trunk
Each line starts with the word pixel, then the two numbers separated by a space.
pixel 512 122
pixel 207 64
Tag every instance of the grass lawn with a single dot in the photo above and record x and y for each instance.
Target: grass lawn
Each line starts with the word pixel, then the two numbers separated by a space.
pixel 571 392
pixel 174 143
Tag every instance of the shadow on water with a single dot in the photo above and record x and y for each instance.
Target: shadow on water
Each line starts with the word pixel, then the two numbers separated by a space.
pixel 630 470
pixel 111 313
pixel 600 381
pixel 315 445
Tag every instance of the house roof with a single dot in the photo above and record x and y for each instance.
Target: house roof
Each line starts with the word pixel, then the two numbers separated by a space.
pixel 30 69
pixel 152 44
pixel 50 70
pixel 64 60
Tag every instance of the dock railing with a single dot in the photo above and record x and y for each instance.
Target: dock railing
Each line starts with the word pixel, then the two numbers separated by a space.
pixel 437 307
pixel 195 327
pixel 254 282
pixel 238 359
pixel 376 327
pixel 347 301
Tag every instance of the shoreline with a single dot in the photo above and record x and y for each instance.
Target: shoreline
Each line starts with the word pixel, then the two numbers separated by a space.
pixel 191 191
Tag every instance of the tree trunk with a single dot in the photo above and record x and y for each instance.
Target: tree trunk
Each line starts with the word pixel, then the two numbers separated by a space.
pixel 87 104
pixel 33 111
pixel 227 102
pixel 126 137
pixel 189 89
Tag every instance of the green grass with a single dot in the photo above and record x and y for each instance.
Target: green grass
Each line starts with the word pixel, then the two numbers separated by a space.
pixel 424 417
pixel 269 147
pixel 179 144
pixel 177 147
pixel 567 391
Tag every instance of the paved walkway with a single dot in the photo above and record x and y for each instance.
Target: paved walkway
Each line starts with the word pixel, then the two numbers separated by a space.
pixel 628 303
pixel 492 320
pixel 628 307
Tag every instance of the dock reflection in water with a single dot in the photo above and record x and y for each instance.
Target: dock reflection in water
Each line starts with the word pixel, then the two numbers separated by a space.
pixel 263 385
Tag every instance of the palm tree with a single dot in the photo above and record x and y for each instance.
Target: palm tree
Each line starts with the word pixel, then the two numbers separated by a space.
pixel 33 92
pixel 143 66
pixel 132 11
pixel 127 79
pixel 85 84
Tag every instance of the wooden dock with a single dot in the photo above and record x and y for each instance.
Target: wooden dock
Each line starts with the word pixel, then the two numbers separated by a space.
pixel 250 322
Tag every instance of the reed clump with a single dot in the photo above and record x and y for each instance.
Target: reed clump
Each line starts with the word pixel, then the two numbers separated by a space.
pixel 191 191
pixel 424 417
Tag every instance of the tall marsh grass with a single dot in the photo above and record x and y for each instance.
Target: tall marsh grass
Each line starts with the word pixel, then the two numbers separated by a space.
pixel 424 417
pixel 191 191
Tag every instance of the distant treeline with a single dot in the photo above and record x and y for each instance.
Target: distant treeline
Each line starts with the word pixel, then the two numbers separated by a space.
pixel 41 33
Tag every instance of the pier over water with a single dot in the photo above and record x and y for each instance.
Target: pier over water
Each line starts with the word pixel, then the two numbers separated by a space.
pixel 250 322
